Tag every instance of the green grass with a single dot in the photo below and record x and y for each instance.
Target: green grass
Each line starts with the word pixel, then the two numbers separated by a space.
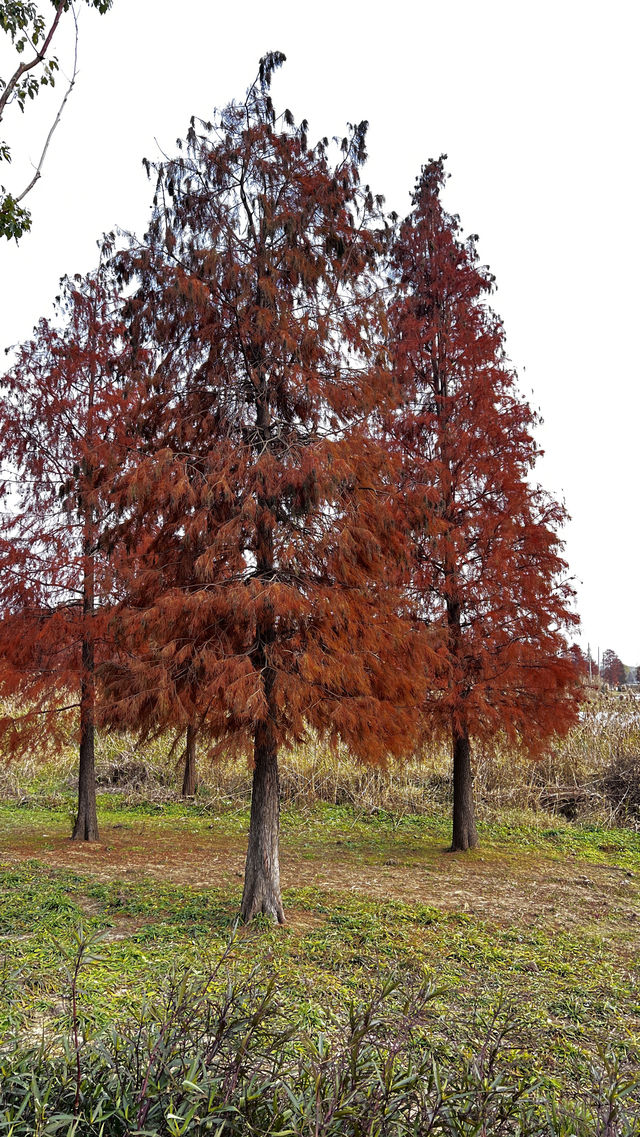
pixel 575 988
pixel 538 928
pixel 363 836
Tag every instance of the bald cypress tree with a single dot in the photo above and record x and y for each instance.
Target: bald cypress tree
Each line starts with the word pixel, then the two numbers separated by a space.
pixel 62 400
pixel 488 578
pixel 257 499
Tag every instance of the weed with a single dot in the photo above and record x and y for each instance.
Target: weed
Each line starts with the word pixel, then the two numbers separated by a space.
pixel 229 1058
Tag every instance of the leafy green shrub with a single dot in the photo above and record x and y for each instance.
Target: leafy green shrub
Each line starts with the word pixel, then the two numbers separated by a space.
pixel 214 1057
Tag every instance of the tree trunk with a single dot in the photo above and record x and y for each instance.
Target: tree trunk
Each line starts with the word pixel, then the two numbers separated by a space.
pixel 190 778
pixel 465 835
pixel 261 893
pixel 262 871
pixel 86 826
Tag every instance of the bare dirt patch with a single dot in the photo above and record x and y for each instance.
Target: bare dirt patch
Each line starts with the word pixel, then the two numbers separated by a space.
pixel 529 888
pixel 120 927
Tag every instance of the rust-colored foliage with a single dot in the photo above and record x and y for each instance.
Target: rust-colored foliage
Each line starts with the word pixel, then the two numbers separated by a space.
pixel 261 603
pixel 488 578
pixel 612 669
pixel 270 528
pixel 585 666
pixel 61 404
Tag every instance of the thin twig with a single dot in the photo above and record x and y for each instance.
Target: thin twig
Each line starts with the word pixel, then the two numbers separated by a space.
pixel 38 172
pixel 76 1037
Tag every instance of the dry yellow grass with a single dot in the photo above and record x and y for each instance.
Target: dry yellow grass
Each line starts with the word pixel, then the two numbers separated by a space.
pixel 593 773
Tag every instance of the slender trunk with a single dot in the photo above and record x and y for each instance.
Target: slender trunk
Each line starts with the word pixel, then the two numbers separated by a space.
pixel 190 779
pixel 465 835
pixel 86 826
pixel 262 871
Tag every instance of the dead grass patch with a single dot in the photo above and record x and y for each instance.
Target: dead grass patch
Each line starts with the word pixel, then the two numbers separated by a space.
pixel 515 887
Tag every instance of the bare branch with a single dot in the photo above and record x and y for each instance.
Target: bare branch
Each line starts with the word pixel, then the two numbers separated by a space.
pixel 38 172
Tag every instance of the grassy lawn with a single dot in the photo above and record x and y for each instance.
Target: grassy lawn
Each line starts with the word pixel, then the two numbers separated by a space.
pixel 537 930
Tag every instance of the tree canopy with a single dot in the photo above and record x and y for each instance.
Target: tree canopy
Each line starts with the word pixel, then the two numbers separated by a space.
pixel 488 577
pixel 261 600
pixel 62 401
pixel 612 669
pixel 275 475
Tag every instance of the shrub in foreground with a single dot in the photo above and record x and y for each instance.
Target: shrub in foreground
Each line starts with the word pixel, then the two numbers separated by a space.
pixel 217 1056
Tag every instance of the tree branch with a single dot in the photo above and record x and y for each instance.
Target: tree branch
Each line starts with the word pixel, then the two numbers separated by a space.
pixel 24 67
pixel 38 172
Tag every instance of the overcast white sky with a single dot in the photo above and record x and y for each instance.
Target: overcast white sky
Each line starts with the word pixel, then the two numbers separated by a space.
pixel 536 106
